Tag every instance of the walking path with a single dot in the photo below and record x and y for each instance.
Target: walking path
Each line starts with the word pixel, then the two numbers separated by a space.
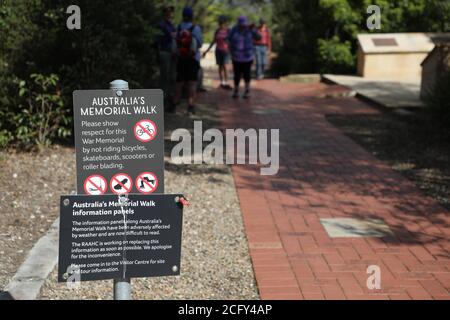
pixel 324 174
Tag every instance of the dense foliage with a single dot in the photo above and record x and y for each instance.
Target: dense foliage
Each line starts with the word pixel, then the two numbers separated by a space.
pixel 41 58
pixel 320 35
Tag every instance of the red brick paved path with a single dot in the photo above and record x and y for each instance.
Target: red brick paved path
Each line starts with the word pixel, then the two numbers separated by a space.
pixel 325 174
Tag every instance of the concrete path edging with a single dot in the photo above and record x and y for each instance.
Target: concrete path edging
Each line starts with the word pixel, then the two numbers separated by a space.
pixel 388 94
pixel 31 275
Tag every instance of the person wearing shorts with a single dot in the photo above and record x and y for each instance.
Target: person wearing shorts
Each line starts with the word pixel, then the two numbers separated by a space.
pixel 222 51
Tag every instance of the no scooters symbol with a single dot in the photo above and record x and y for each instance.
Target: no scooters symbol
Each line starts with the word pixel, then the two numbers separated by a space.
pixel 95 185
pixel 146 182
pixel 145 130
pixel 121 184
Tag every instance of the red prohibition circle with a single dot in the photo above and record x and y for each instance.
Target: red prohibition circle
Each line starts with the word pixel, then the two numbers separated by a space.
pixel 139 177
pixel 114 179
pixel 138 124
pixel 89 180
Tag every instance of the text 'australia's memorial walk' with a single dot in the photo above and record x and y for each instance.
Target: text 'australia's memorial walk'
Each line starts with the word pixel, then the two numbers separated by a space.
pixel 105 238
pixel 119 141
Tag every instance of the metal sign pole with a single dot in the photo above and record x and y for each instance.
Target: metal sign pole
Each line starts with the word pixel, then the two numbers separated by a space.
pixel 122 286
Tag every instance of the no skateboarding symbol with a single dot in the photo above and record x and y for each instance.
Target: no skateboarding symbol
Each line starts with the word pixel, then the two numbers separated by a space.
pixel 146 182
pixel 145 130
pixel 95 185
pixel 121 183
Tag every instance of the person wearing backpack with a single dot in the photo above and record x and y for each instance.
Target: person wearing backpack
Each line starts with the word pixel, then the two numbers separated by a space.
pixel 189 40
pixel 240 40
pixel 222 51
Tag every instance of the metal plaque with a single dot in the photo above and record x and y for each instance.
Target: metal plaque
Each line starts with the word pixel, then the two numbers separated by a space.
pixel 111 236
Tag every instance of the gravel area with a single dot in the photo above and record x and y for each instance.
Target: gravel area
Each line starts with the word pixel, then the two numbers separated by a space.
pixel 215 260
pixel 30 186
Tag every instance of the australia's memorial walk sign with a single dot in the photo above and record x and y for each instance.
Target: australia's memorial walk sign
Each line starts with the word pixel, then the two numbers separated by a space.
pixel 120 225
pixel 118 139
pixel 108 236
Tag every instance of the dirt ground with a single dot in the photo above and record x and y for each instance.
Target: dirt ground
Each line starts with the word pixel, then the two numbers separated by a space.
pixel 30 187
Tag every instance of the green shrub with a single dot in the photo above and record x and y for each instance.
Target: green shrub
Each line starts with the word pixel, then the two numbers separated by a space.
pixel 5 138
pixel 42 116
pixel 335 56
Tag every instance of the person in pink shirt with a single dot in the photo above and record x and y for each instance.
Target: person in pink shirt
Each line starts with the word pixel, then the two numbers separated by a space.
pixel 222 51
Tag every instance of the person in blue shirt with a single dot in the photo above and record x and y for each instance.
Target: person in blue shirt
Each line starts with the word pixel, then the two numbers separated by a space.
pixel 167 59
pixel 189 40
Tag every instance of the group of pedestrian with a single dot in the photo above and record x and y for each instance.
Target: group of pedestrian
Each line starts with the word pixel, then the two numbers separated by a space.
pixel 179 55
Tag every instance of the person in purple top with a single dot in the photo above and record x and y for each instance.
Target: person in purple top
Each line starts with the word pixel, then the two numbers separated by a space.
pixel 240 40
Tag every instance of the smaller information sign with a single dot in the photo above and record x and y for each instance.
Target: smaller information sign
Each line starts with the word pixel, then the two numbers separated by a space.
pixel 113 236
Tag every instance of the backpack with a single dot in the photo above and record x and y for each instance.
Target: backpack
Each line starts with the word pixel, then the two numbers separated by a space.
pixel 186 42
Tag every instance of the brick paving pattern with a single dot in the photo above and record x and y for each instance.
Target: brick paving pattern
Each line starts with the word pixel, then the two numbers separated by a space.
pixel 324 174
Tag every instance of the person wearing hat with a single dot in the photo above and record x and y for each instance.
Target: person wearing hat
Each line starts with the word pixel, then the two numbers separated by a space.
pixel 240 41
pixel 167 61
pixel 263 47
pixel 189 40
pixel 222 51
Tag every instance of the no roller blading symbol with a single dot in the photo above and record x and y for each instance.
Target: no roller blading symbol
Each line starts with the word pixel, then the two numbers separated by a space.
pixel 146 182
pixel 145 130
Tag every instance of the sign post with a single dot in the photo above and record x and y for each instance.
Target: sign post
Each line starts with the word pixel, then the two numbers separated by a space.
pixel 122 286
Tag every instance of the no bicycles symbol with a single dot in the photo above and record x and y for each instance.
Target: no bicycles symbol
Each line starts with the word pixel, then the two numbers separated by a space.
pixel 146 182
pixel 145 130
pixel 95 185
pixel 121 184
